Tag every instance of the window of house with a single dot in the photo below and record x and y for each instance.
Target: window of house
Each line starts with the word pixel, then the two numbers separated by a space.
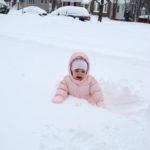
pixel 31 1
pixel 105 8
pixel 41 1
pixel 117 8
pixel 123 7
pixel 96 8
pixel 45 1
pixel 70 3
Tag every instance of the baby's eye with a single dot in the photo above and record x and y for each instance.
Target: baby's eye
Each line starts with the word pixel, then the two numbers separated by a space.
pixel 77 70
pixel 83 71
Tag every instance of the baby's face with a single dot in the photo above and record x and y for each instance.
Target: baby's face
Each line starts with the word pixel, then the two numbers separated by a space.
pixel 79 74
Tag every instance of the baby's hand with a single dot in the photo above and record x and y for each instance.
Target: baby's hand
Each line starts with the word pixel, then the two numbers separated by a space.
pixel 58 99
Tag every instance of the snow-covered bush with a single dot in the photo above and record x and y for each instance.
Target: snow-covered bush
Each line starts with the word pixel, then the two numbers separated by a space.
pixel 4 8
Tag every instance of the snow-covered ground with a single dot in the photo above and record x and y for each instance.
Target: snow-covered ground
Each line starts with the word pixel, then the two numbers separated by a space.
pixel 34 55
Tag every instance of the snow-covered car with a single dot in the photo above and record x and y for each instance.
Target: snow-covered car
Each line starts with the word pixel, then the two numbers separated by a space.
pixel 145 19
pixel 4 8
pixel 73 11
pixel 34 10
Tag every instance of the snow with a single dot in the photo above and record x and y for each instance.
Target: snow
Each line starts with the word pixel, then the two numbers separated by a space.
pixel 34 55
pixel 2 2
pixel 33 10
pixel 123 1
pixel 86 1
pixel 71 10
pixel 145 16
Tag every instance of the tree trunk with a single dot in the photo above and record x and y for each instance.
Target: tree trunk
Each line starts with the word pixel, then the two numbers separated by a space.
pixel 148 10
pixel 54 3
pixel 100 10
pixel 100 5
pixel 115 3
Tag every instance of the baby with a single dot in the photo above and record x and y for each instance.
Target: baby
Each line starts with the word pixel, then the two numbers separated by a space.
pixel 79 83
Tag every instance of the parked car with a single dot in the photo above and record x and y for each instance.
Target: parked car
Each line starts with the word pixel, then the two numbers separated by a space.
pixel 34 10
pixel 4 8
pixel 73 11
pixel 145 19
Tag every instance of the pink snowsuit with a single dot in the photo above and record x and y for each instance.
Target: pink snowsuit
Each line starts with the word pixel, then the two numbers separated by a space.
pixel 88 88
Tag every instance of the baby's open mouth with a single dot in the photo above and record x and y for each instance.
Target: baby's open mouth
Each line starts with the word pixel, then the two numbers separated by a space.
pixel 79 78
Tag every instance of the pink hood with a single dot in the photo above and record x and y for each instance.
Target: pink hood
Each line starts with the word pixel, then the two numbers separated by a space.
pixel 75 56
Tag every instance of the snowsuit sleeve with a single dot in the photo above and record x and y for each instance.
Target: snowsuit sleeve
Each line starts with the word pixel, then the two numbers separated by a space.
pixel 96 93
pixel 61 93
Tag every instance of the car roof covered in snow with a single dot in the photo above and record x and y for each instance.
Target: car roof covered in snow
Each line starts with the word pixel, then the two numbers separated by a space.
pixel 34 10
pixel 71 10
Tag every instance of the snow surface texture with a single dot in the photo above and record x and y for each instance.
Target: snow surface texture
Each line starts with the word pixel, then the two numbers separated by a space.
pixel 34 54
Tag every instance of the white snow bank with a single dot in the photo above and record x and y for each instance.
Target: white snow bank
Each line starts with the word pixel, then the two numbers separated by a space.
pixel 34 60
pixel 79 126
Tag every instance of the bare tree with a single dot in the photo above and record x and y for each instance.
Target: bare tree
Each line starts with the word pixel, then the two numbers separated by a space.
pixel 54 4
pixel 100 6
pixel 115 3
pixel 137 9
pixel 147 6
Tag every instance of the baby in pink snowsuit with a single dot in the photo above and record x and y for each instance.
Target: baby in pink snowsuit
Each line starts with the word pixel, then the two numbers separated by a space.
pixel 79 83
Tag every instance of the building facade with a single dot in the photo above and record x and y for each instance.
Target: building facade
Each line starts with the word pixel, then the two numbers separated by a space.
pixel 44 4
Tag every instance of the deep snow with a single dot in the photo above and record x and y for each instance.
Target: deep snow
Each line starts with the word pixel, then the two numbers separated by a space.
pixel 34 54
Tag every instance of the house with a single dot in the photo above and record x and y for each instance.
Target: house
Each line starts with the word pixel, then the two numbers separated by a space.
pixel 71 2
pixel 86 4
pixel 90 5
pixel 121 10
pixel 94 8
pixel 44 4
